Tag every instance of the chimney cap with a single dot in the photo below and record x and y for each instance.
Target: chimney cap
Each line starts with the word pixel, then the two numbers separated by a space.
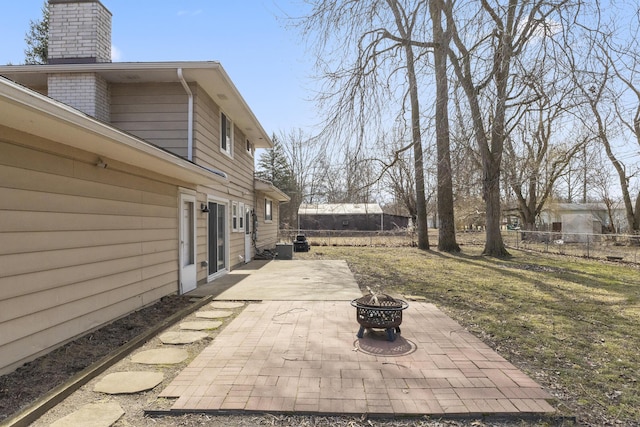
pixel 76 1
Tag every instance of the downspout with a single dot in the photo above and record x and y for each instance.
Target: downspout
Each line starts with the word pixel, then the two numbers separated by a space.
pixel 190 116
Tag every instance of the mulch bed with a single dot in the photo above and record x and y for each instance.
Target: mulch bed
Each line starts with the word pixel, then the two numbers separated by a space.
pixel 25 385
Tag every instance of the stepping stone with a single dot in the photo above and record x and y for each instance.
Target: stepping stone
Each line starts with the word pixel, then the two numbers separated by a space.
pixel 182 337
pixel 213 314
pixel 226 304
pixel 94 415
pixel 201 325
pixel 160 356
pixel 128 382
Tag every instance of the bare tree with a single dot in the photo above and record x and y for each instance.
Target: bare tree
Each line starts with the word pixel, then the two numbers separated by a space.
pixel 405 24
pixel 305 156
pixel 602 179
pixel 359 88
pixel 606 74
pixel 539 150
pixel 446 227
pixel 487 38
pixel 466 162
pixel 396 169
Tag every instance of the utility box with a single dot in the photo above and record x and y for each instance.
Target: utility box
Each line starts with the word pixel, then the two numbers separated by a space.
pixel 284 251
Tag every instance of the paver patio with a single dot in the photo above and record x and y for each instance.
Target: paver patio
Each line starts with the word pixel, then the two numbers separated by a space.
pixel 304 357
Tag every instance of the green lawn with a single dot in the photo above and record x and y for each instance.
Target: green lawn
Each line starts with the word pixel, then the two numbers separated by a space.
pixel 572 324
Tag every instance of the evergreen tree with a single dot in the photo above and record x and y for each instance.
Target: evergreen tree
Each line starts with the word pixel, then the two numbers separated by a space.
pixel 37 39
pixel 274 166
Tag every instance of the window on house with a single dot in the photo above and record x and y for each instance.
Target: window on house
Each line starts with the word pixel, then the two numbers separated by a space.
pixel 226 134
pixel 240 216
pixel 234 216
pixel 268 215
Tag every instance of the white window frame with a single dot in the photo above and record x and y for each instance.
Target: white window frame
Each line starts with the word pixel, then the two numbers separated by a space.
pixel 268 216
pixel 241 217
pixel 234 216
pixel 225 138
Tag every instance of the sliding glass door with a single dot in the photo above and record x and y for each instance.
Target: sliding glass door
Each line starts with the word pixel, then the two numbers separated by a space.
pixel 217 238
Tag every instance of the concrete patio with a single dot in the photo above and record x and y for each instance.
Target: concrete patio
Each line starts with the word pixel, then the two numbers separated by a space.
pixel 296 351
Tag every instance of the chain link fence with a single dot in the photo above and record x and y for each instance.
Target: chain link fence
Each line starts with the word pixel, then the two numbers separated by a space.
pixel 612 247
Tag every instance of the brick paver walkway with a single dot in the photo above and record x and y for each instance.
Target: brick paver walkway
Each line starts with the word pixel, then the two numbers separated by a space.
pixel 304 357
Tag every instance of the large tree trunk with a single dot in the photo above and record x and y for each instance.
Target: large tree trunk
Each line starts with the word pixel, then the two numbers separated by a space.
pixel 492 158
pixel 490 148
pixel 446 226
pixel 421 201
pixel 494 245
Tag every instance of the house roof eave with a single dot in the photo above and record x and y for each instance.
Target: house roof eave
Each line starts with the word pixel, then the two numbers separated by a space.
pixel 30 112
pixel 270 190
pixel 209 75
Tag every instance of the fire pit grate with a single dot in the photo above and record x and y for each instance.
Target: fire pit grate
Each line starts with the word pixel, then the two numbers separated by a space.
pixel 379 311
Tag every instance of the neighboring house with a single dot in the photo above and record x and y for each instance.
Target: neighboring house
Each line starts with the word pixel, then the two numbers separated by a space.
pixel 120 183
pixel 586 217
pixel 348 216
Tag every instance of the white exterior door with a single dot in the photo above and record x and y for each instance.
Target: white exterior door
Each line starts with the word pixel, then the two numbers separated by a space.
pixel 248 223
pixel 188 271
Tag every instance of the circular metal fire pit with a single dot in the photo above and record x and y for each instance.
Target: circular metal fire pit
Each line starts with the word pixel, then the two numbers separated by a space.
pixel 379 311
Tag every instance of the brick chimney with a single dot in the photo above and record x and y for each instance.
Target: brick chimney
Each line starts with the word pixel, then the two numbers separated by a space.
pixel 80 33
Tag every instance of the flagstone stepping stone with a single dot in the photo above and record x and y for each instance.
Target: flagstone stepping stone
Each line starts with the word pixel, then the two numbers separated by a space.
pixel 128 382
pixel 201 325
pixel 213 314
pixel 226 304
pixel 182 337
pixel 160 356
pixel 102 414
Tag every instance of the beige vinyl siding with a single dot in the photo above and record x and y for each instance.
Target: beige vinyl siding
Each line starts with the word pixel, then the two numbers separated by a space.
pixel 207 152
pixel 239 169
pixel 79 245
pixel 156 112
pixel 267 230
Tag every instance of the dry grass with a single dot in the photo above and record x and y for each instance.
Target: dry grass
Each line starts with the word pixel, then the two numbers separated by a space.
pixel 620 247
pixel 570 323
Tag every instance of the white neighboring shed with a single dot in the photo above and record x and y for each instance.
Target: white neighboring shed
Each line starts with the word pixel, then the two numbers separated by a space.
pixel 576 228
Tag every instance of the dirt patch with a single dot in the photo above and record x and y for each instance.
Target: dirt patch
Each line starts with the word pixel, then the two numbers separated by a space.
pixel 25 385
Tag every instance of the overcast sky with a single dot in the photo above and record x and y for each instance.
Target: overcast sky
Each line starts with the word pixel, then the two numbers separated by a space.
pixel 265 60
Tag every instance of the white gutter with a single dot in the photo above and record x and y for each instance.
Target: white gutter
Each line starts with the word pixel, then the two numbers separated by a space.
pixel 190 116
